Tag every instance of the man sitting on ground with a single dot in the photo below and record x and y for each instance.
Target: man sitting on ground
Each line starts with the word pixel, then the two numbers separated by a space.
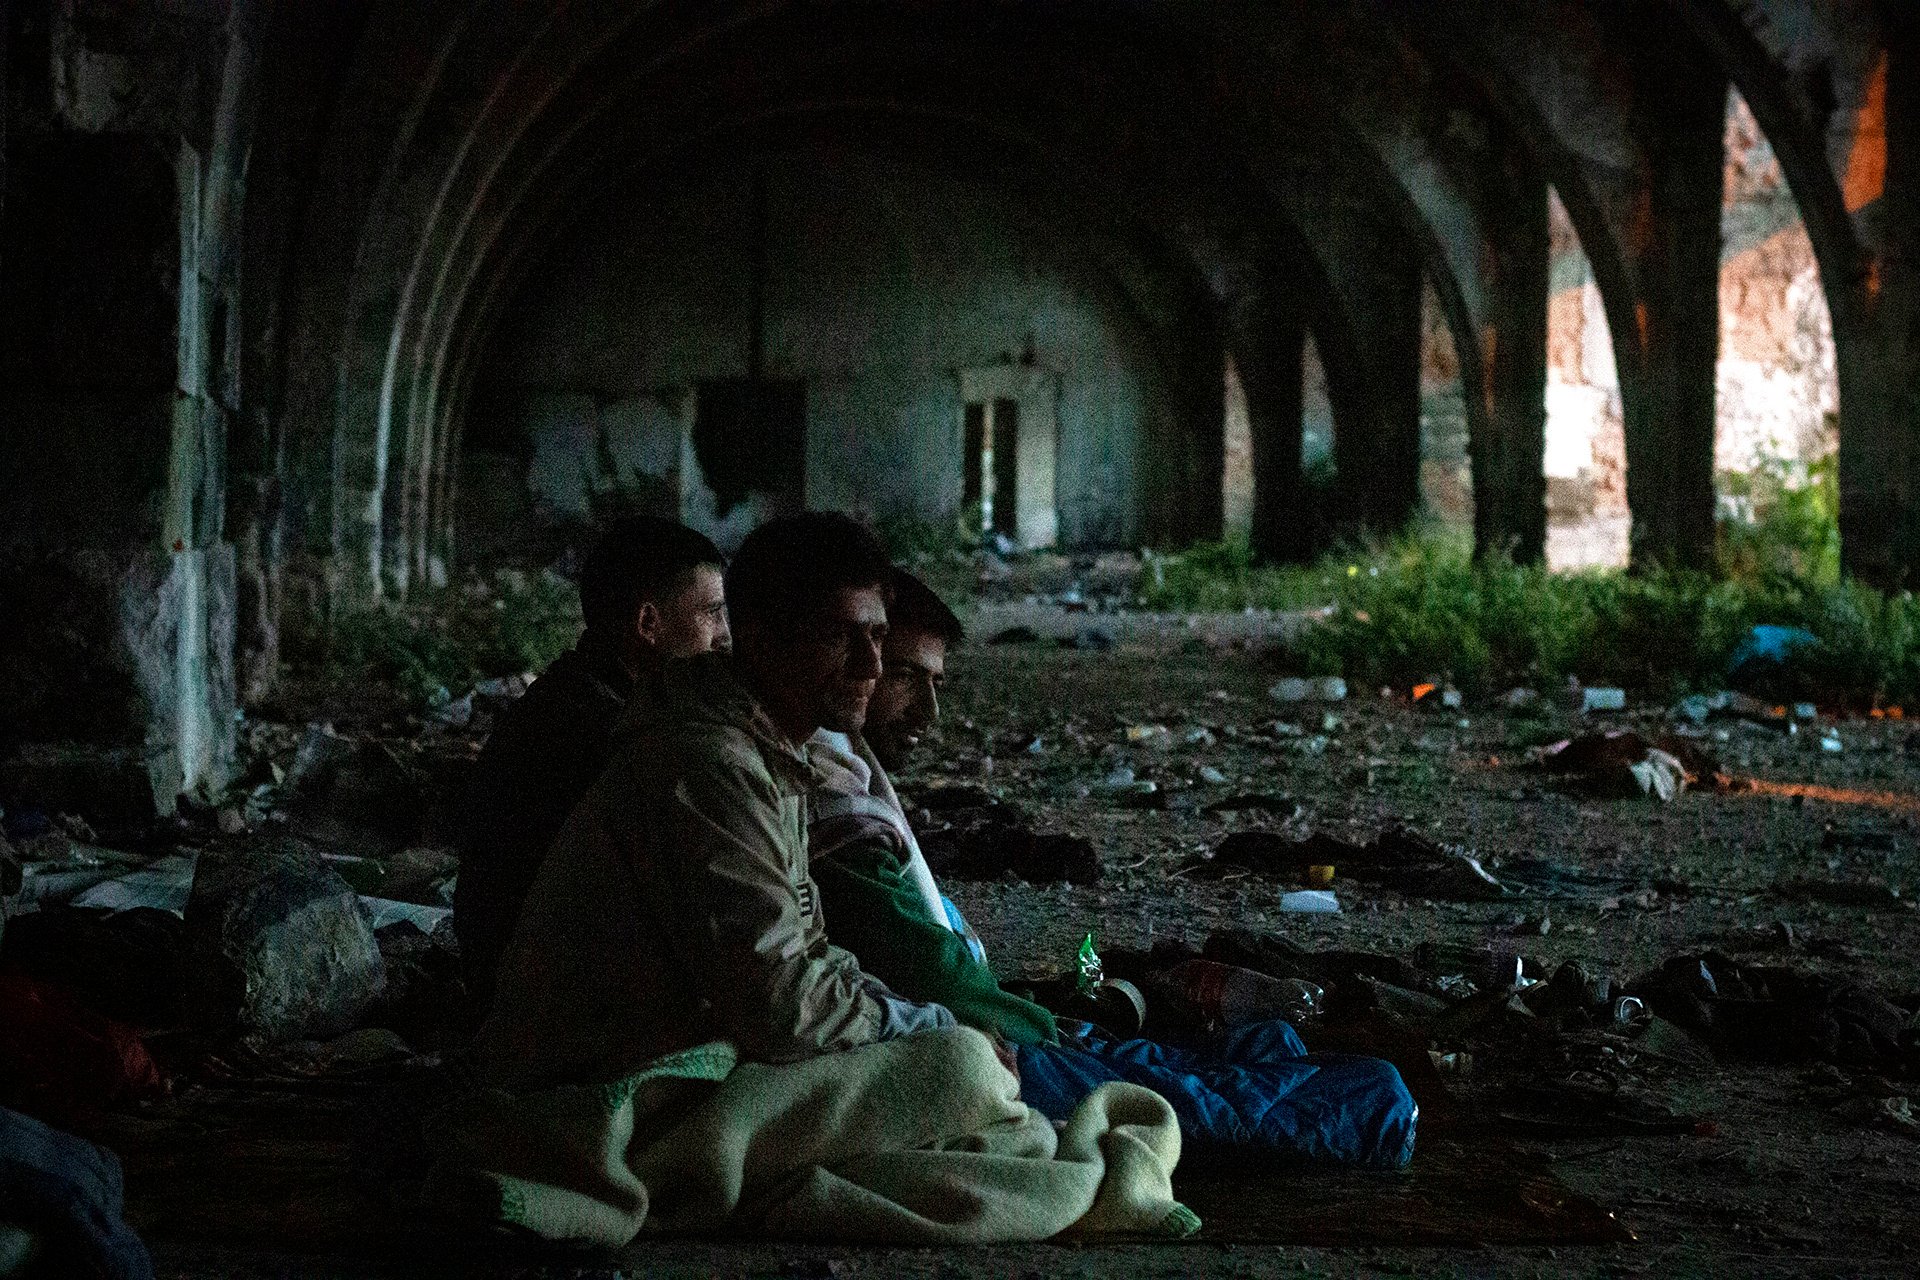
pixel 676 906
pixel 1253 1090
pixel 675 1045
pixel 649 591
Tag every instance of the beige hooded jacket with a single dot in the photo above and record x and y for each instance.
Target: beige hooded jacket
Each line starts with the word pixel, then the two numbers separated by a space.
pixel 676 908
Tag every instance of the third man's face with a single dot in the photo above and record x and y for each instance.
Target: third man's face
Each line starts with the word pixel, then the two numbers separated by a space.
pixel 906 701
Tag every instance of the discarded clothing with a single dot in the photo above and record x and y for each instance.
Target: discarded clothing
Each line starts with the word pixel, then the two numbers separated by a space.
pixel 920 1140
pixel 65 1194
pixel 1254 1089
pixel 886 907
pixel 676 908
pixel 60 1059
pixel 545 751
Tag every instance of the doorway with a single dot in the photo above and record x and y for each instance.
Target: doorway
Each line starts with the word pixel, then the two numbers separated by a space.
pixel 1009 425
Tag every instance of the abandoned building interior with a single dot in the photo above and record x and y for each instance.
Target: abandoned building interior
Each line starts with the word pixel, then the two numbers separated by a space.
pixel 318 314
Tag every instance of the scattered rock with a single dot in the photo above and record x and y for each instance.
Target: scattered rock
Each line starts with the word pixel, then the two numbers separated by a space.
pixel 280 943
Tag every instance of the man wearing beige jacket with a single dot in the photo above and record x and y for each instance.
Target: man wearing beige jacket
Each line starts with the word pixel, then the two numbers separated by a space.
pixel 676 906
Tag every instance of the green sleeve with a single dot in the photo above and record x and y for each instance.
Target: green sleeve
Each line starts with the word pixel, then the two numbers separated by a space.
pixel 873 910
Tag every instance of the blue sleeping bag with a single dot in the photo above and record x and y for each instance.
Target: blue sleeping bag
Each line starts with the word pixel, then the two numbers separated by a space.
pixel 1253 1089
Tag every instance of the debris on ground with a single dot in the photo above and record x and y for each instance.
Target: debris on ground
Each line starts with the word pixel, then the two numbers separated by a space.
pixel 991 840
pixel 1397 858
pixel 1619 763
pixel 1775 1014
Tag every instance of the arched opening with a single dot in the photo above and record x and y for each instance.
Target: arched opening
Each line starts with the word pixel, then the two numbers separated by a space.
pixel 1446 471
pixel 1776 437
pixel 1316 427
pixel 916 344
pixel 1236 470
pixel 1588 524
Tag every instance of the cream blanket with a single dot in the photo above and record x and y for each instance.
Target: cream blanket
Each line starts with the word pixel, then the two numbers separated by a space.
pixel 920 1140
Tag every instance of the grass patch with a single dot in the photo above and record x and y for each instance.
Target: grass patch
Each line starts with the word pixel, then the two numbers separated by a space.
pixel 1422 608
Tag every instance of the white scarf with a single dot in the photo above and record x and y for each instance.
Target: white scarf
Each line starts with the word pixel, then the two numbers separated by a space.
pixel 847 772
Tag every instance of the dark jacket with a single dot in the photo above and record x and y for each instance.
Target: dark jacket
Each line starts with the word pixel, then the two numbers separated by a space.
pixel 546 750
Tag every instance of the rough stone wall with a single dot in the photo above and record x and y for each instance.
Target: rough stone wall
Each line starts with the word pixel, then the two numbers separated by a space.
pixel 114 386
pixel 883 284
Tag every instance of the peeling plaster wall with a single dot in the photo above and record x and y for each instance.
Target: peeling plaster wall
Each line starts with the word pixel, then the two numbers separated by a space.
pixel 883 283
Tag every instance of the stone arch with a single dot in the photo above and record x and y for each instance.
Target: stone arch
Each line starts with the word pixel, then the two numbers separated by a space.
pixel 369 467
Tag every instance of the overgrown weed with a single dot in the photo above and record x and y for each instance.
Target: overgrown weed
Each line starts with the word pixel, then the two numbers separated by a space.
pixel 1420 607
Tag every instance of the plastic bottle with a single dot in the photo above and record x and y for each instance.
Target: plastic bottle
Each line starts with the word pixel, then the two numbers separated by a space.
pixel 1230 996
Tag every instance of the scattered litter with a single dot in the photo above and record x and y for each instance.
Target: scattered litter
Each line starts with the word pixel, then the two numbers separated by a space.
pixel 1767 651
pixel 1620 763
pixel 1397 858
pixel 164 884
pixel 1768 1013
pixel 1310 902
pixel 382 912
pixel 1225 995
pixel 986 841
pixel 1602 698
pixel 280 944
pixel 1296 689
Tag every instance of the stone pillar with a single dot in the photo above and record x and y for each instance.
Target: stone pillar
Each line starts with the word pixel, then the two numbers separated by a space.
pixel 1509 464
pixel 1271 374
pixel 1669 354
pixel 1375 386
pixel 1185 458
pixel 1880 370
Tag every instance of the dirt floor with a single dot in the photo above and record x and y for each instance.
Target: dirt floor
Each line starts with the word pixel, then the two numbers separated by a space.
pixel 1791 1167
pixel 1783 1179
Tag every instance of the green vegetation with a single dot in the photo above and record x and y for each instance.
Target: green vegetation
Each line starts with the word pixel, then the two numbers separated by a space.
pixel 1421 608
pixel 515 622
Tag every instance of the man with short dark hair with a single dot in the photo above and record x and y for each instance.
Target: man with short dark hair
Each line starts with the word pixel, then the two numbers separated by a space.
pixel 676 907
pixel 887 909
pixel 650 590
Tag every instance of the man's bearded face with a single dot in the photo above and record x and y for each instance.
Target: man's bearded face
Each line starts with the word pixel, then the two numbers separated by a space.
pixel 906 701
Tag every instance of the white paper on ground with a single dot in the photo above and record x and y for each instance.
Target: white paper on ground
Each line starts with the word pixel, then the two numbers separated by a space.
pixel 385 911
pixel 1310 902
pixel 50 881
pixel 164 884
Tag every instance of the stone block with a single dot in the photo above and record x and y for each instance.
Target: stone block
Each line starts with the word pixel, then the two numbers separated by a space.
pixel 280 944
